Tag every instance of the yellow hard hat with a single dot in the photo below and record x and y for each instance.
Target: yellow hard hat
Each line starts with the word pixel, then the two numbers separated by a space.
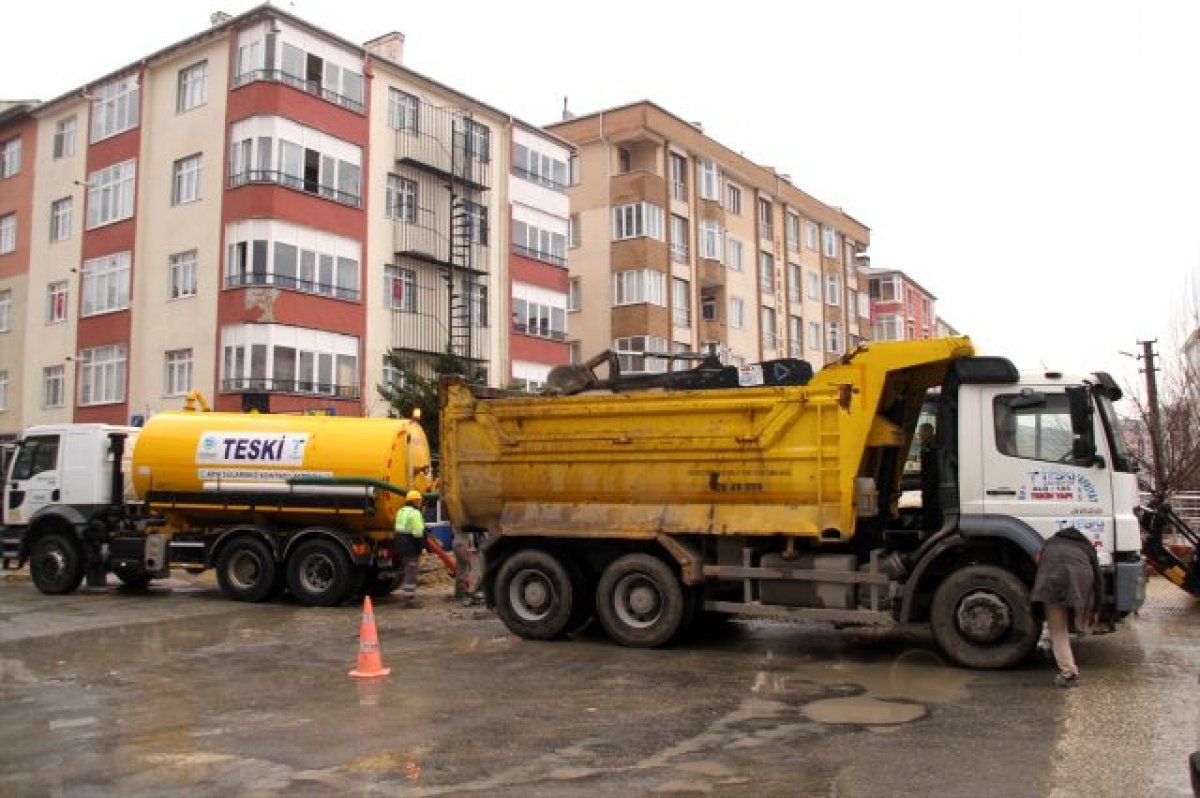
pixel 414 496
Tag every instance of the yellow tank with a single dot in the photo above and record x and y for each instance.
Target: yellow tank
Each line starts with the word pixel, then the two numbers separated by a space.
pixel 749 460
pixel 201 468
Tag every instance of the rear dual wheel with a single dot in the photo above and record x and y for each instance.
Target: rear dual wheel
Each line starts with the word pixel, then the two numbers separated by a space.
pixel 542 596
pixel 641 602
pixel 247 570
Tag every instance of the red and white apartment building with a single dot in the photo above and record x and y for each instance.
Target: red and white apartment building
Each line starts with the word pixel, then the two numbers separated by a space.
pixel 901 309
pixel 261 212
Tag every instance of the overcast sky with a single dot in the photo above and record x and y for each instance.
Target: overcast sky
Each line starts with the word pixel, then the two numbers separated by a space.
pixel 1036 165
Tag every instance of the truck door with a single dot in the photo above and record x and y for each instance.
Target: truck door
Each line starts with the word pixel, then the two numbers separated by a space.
pixel 33 481
pixel 1037 467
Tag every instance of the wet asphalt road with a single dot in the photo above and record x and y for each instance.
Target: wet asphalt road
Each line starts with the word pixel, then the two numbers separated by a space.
pixel 181 692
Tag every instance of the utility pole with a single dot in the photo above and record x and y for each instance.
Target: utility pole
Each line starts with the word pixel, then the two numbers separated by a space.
pixel 1156 441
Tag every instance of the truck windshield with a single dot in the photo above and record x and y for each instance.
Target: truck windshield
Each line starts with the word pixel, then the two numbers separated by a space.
pixel 38 453
pixel 1121 458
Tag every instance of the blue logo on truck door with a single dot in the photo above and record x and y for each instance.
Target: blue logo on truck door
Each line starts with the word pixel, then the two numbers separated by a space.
pixel 252 448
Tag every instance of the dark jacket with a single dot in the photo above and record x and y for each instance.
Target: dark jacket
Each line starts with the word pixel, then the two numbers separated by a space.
pixel 1069 574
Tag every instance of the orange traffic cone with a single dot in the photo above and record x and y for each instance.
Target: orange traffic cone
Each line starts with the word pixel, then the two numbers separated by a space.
pixel 369 662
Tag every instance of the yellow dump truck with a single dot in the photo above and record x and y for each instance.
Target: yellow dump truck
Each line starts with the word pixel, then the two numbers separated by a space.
pixel 272 502
pixel 650 502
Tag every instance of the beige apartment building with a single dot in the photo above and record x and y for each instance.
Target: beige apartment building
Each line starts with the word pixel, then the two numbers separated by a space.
pixel 680 244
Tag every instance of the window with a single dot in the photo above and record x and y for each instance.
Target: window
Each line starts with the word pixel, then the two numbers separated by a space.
pixel 106 284
pixel 10 157
pixel 681 302
pixel 631 354
pixel 708 307
pixel 56 302
pixel 813 282
pixel 330 271
pixel 477 140
pixel 737 313
pixel 793 231
pixel 5 311
pixel 185 184
pixel 640 286
pixel 710 180
pixel 887 327
pixel 60 219
pixel 182 268
pixel 814 335
pixel 638 220
pixel 835 336
pixel 543 245
pixel 102 375
pixel 400 199
pixel 4 389
pixel 810 235
pixel 179 372
pixel 678 177
pixel 540 318
pixel 8 233
pixel 110 194
pixel 289 360
pixel 733 199
pixel 400 289
pixel 114 107
pixel 64 138
pixel 767 321
pixel 766 219
pixel 266 159
pixel 320 77
pixel 574 233
pixel 886 289
pixel 540 168
pixel 830 239
pixel 833 289
pixel 679 239
pixel 851 304
pixel 624 160
pixel 734 253
pixel 864 306
pixel 1040 431
pixel 574 293
pixel 477 222
pixel 477 303
pixel 766 272
pixel 193 87
pixel 795 336
pixel 54 381
pixel 710 240
pixel 403 111
pixel 793 282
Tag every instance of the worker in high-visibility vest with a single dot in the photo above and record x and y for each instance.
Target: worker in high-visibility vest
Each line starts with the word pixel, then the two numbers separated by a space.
pixel 410 542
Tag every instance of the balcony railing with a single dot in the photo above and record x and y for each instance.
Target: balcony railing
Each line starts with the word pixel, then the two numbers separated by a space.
pixel 541 180
pixel 312 87
pixel 275 385
pixel 539 331
pixel 537 254
pixel 254 279
pixel 260 176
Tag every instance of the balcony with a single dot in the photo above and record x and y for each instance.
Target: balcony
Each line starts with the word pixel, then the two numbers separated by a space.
pixel 300 387
pixel 537 254
pixel 539 331
pixel 442 147
pixel 263 279
pixel 306 184
pixel 312 87
pixel 679 252
pixel 541 180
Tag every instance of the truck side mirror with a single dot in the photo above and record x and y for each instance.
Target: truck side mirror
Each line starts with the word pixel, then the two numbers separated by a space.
pixel 1083 447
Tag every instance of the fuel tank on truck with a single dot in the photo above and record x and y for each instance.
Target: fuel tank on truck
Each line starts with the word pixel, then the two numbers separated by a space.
pixel 200 468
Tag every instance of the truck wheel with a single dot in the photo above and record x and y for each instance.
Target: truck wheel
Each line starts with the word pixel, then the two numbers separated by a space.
pixel 981 618
pixel 319 573
pixel 56 563
pixel 640 601
pixel 535 595
pixel 246 570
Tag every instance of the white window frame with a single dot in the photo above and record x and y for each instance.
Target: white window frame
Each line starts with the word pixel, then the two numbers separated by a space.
pixel 400 289
pixel 400 198
pixel 54 387
pixel 110 194
pixel 6 303
pixel 737 312
pixel 766 318
pixel 57 295
pixel 733 198
pixel 792 230
pixel 60 218
pixel 834 330
pixel 182 272
pixel 640 287
pixel 766 272
pixel 795 336
pixel 8 233
pixel 811 234
pixel 185 180
pixel 812 282
pixel 177 379
pixel 105 284
pixel 833 289
pixel 735 253
pixel 816 335
pixel 64 137
pixel 115 107
pixel 404 111
pixel 888 327
pixel 4 389
pixel 637 220
pixel 829 238
pixel 10 157
pixel 102 375
pixel 192 89
pixel 681 302
pixel 708 180
pixel 632 357
pixel 574 293
pixel 711 235
pixel 795 289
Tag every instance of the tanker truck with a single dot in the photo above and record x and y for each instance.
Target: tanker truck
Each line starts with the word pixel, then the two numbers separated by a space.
pixel 271 502
pixel 650 503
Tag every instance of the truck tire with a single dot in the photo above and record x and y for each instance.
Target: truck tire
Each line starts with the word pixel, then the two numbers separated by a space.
pixel 56 563
pixel 319 573
pixel 535 595
pixel 981 618
pixel 640 601
pixel 247 571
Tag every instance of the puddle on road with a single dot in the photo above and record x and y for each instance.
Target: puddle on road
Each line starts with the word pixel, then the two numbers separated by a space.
pixel 863 710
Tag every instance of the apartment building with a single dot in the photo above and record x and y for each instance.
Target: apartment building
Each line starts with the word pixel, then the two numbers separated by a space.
pixel 901 309
pixel 261 212
pixel 680 244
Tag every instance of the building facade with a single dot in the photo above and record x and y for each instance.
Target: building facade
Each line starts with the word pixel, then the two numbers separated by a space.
pixel 679 244
pixel 261 212
pixel 901 309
